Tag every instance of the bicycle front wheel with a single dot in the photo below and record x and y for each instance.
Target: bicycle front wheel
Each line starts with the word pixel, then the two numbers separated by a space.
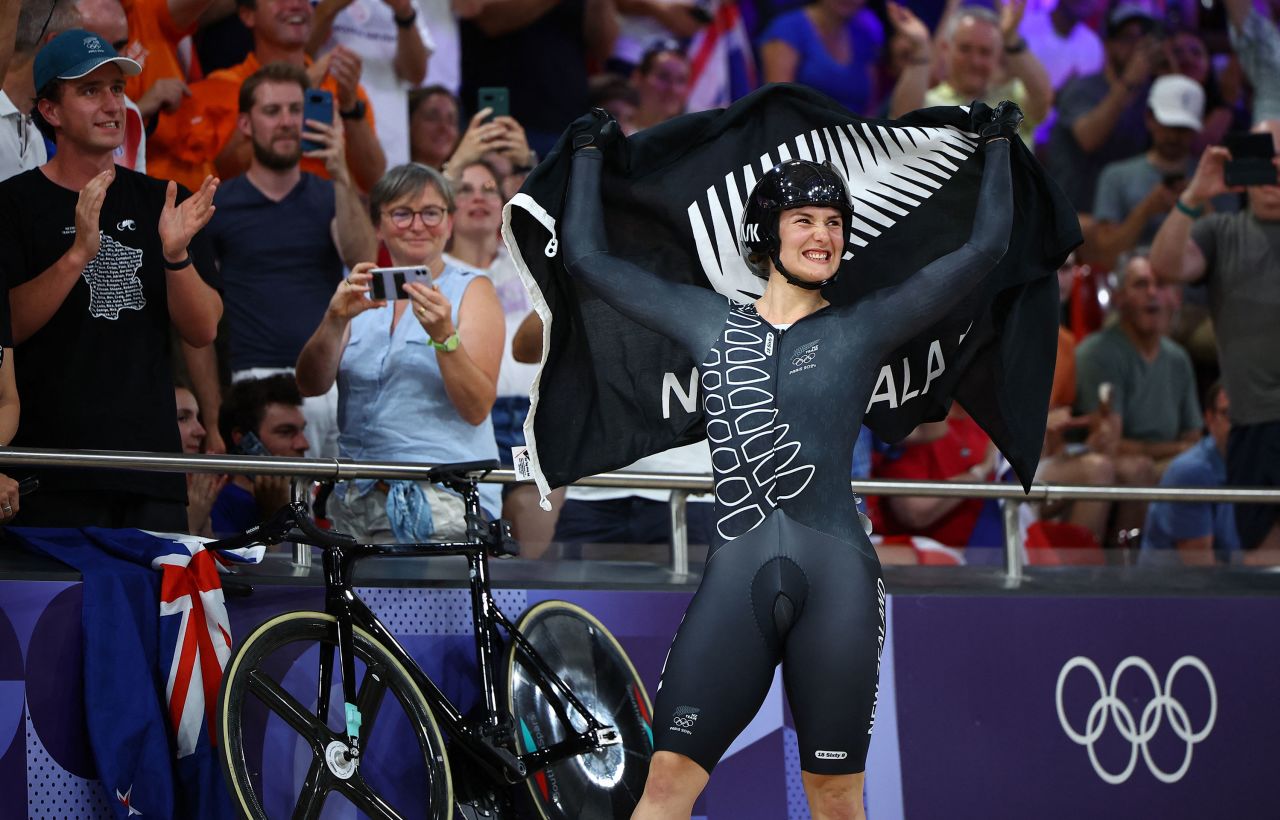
pixel 280 759
pixel 600 785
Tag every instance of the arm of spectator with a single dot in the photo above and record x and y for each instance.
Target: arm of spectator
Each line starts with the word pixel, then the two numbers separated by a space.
pixel 365 157
pixel 164 94
pixel 322 16
pixel 780 61
pixel 10 406
pixel 202 494
pixel 8 33
pixel 678 18
pixel 1175 257
pixel 410 62
pixel 351 230
pixel 33 303
pixel 1093 128
pixel 1110 239
pixel 215 11
pixel 916 76
pixel 233 159
pixel 187 13
pixel 202 369
pixel 475 143
pixel 600 28
pixel 1257 46
pixel 1024 65
pixel 470 372
pixel 500 17
pixel 526 347
pixel 194 306
pixel 317 366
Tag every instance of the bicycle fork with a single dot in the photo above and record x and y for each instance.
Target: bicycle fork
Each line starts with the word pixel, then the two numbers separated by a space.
pixel 337 570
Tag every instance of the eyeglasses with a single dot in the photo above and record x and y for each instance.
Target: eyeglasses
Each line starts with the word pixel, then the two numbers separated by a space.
pixel 402 218
pixel 487 189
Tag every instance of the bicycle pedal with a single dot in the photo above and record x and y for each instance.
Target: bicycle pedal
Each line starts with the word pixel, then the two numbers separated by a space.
pixel 608 736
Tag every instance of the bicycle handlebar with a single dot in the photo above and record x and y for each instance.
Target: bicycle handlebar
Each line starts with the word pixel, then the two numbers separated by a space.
pixel 291 522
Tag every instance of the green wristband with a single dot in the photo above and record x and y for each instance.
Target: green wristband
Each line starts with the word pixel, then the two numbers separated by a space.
pixel 1194 213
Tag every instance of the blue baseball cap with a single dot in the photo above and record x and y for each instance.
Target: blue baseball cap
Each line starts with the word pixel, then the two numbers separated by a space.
pixel 73 54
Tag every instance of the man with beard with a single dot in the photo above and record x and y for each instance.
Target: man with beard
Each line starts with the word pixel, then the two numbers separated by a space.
pixel 282 237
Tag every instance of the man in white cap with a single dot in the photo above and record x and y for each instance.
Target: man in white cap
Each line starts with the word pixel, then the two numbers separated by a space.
pixel 1135 195
pixel 99 263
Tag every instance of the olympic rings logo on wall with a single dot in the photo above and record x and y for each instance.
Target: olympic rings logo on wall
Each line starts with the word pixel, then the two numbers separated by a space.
pixel 1108 707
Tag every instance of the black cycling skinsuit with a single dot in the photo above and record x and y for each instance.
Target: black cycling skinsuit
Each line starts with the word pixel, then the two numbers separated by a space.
pixel 795 579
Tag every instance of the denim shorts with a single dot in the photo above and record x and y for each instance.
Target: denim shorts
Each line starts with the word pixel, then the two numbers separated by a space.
pixel 508 416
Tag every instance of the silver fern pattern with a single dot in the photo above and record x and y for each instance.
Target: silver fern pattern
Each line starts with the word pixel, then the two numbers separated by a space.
pixel 890 171
pixel 755 464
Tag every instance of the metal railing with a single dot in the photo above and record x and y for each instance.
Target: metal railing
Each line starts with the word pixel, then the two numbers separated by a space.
pixel 681 485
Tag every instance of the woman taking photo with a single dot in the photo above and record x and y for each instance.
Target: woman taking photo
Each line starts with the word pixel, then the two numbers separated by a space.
pixel 792 577
pixel 416 376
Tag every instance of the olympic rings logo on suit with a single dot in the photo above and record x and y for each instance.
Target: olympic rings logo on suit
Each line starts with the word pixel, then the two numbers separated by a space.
pixel 1138 734
pixel 685 721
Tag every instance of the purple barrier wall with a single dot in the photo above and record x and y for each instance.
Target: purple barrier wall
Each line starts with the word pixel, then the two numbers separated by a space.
pixel 969 723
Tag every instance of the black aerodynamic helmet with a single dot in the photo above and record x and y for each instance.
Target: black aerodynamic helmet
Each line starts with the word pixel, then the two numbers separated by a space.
pixel 791 184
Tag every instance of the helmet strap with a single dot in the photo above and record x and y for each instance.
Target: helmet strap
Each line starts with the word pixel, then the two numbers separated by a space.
pixel 795 280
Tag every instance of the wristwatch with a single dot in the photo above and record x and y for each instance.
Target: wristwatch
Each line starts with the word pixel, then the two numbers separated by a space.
pixel 1016 47
pixel 356 112
pixel 448 345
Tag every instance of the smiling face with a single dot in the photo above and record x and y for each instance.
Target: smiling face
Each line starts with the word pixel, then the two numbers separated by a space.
pixel 433 130
pixel 274 124
pixel 410 241
pixel 284 24
pixel 973 55
pixel 90 113
pixel 479 202
pixel 811 240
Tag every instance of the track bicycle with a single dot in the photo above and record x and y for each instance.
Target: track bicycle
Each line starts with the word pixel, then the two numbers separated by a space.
pixel 386 742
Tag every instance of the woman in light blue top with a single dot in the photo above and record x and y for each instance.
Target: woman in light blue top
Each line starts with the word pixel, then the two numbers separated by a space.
pixel 416 377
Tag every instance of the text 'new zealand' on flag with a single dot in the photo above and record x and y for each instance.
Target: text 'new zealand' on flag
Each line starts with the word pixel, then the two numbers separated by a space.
pixel 611 391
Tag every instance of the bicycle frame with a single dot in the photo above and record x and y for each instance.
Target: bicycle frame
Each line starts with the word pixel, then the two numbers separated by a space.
pixel 491 743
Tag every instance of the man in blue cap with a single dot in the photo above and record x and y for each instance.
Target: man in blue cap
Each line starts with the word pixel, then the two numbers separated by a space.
pixel 99 263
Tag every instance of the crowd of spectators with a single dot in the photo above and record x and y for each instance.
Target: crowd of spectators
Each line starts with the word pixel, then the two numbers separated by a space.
pixel 255 265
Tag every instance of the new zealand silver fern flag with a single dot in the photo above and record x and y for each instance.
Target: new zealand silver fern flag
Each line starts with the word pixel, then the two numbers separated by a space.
pixel 611 391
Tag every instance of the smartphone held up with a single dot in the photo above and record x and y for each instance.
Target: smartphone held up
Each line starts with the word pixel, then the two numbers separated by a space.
pixel 316 105
pixel 388 283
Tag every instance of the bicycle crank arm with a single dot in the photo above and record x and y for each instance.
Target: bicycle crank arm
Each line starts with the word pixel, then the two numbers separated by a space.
pixel 499 762
pixel 579 744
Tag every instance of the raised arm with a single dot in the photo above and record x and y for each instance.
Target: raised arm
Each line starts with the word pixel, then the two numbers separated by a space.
pixel 690 315
pixel 925 297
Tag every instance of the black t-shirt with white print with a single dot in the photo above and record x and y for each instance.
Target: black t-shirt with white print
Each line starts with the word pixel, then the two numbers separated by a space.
pixel 98 375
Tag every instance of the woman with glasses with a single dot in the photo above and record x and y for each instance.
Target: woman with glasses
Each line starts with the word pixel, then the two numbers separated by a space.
pixel 416 376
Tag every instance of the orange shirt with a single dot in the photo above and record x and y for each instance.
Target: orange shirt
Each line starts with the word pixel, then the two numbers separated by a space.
pixel 188 140
pixel 153 43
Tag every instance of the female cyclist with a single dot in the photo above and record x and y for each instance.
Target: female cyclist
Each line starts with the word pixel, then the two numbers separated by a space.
pixel 793 578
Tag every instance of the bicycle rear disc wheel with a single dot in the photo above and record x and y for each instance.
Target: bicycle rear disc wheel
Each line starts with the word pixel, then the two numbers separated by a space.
pixel 600 785
pixel 281 760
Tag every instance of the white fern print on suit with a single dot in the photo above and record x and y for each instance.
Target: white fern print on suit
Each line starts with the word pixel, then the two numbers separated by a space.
pixel 754 462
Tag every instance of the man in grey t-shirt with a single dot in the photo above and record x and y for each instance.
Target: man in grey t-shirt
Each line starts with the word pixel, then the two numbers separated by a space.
pixel 1238 256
